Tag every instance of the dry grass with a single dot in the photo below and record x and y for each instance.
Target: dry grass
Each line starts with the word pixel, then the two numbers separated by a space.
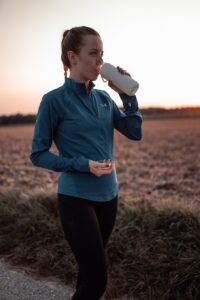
pixel 163 167
pixel 154 253
pixel 154 250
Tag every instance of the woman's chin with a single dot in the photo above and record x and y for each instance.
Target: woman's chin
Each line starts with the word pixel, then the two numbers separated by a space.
pixel 94 77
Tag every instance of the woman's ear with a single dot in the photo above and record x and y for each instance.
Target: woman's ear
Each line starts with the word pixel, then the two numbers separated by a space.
pixel 72 57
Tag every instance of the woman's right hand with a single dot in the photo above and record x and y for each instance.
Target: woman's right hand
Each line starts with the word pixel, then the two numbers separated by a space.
pixel 100 168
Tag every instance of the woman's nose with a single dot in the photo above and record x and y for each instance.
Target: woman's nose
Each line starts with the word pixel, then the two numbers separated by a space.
pixel 100 60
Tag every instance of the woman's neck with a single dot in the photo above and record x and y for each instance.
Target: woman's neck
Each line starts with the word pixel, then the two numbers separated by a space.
pixel 78 78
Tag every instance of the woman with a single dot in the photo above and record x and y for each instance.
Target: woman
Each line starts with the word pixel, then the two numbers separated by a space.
pixel 81 121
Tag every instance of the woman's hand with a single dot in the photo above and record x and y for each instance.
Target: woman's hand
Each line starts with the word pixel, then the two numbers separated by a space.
pixel 110 84
pixel 101 168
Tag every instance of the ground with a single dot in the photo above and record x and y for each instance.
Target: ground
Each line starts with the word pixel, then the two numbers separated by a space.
pixel 163 167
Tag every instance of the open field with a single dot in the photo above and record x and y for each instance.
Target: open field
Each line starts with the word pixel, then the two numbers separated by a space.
pixel 154 250
pixel 163 167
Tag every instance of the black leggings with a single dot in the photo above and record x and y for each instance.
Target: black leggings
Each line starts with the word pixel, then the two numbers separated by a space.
pixel 87 226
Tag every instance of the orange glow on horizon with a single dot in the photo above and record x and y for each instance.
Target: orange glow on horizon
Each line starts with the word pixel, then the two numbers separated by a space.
pixel 158 48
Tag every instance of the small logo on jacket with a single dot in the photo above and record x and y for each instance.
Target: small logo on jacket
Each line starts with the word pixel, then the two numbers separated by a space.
pixel 104 105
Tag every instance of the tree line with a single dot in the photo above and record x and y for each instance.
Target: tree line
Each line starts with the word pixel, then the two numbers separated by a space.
pixel 17 119
pixel 147 113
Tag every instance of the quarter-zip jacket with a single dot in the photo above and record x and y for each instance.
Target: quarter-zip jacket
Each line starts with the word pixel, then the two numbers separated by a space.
pixel 82 126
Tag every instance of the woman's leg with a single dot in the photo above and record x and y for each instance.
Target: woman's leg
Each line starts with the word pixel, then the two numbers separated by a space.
pixel 106 214
pixel 83 232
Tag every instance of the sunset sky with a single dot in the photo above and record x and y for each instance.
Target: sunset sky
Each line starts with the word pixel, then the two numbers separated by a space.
pixel 157 41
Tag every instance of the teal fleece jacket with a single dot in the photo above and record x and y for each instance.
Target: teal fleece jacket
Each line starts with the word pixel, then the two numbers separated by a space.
pixel 82 126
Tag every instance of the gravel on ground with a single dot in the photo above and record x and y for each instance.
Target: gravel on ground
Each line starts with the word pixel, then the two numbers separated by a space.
pixel 15 284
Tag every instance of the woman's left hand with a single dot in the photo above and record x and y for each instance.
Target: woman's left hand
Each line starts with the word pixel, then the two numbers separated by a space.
pixel 110 84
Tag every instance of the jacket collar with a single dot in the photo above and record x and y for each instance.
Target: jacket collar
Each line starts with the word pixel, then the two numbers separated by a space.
pixel 78 87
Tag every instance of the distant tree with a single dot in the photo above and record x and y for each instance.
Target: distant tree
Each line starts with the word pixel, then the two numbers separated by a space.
pixel 17 119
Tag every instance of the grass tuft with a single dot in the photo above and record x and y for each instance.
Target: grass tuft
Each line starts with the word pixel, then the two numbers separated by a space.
pixel 153 252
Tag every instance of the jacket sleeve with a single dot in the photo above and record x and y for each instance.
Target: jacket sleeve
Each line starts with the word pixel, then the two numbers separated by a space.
pixel 129 121
pixel 44 131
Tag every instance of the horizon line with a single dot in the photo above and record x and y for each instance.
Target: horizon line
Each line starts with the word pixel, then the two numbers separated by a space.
pixel 120 106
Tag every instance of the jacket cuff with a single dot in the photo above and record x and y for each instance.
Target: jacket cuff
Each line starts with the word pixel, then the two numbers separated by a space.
pixel 130 102
pixel 81 164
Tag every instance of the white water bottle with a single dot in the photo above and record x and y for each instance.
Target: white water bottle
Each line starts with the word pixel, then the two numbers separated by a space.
pixel 124 82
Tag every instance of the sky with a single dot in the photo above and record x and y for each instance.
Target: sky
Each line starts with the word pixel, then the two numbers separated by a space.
pixel 156 41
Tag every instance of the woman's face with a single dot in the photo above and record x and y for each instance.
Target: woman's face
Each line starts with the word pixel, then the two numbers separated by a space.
pixel 86 65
